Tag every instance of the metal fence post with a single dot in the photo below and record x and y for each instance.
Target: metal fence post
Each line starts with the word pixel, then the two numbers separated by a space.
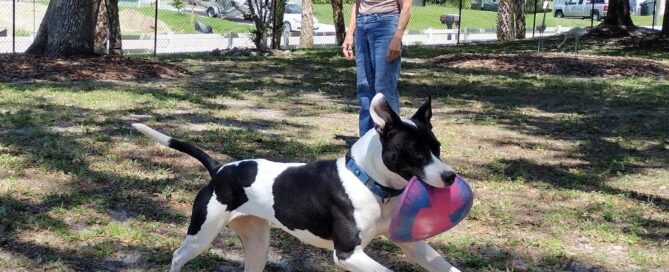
pixel 654 10
pixel 592 13
pixel 34 19
pixel 13 26
pixel 534 22
pixel 230 40
pixel 459 23
pixel 286 38
pixel 466 38
pixel 155 31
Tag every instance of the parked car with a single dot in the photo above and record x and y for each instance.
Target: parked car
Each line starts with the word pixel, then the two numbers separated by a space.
pixel 227 8
pixel 582 9
pixel 292 18
pixel 491 5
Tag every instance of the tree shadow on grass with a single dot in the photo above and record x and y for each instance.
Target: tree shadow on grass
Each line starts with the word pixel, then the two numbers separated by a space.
pixel 19 215
pixel 602 111
pixel 486 257
pixel 634 224
pixel 596 133
pixel 615 129
pixel 46 134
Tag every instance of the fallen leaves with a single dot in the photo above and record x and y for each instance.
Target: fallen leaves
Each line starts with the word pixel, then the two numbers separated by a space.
pixel 23 67
pixel 555 64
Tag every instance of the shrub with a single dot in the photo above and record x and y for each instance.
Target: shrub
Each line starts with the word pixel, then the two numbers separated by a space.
pixel 178 4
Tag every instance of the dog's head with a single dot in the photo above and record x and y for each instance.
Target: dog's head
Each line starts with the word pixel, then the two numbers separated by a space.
pixel 409 148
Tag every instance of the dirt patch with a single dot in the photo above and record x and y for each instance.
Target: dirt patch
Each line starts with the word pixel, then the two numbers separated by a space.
pixel 556 64
pixel 21 67
pixel 133 21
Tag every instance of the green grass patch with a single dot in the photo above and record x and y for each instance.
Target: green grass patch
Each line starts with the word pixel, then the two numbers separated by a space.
pixel 565 169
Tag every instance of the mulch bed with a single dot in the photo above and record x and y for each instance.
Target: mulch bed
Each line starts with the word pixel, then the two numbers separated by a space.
pixel 555 64
pixel 26 67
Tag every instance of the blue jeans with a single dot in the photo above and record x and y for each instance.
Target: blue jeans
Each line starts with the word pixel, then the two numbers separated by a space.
pixel 373 33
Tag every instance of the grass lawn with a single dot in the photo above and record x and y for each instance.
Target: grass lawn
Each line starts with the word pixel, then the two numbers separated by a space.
pixel 570 173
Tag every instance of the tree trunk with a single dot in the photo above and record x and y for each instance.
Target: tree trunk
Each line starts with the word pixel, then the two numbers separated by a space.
pixel 260 12
pixel 505 21
pixel 619 14
pixel 277 22
pixel 338 19
pixel 115 44
pixel 665 21
pixel 260 39
pixel 108 14
pixel 519 10
pixel 67 29
pixel 307 32
pixel 101 29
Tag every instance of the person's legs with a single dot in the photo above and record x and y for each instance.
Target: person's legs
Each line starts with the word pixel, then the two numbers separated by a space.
pixel 365 74
pixel 386 73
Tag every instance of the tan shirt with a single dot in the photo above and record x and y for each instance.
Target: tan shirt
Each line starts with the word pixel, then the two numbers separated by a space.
pixel 378 6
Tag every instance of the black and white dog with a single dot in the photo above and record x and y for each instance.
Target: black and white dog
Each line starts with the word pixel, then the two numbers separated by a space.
pixel 338 204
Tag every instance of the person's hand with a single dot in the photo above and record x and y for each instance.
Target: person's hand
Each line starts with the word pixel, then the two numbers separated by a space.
pixel 394 48
pixel 347 47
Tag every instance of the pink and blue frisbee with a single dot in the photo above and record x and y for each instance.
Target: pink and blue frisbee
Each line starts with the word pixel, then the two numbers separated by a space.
pixel 425 211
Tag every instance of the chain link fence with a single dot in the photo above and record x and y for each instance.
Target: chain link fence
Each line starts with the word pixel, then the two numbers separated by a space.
pixel 200 26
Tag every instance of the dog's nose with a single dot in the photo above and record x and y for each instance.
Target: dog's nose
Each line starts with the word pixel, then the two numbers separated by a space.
pixel 448 177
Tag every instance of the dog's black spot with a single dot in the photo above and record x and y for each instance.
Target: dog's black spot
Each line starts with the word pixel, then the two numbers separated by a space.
pixel 230 181
pixel 407 146
pixel 312 198
pixel 407 149
pixel 200 210
pixel 228 184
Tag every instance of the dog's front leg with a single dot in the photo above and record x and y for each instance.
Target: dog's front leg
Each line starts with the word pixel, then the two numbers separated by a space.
pixel 357 261
pixel 426 256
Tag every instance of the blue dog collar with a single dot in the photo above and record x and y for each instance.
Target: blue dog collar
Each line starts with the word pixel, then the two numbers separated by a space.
pixel 382 191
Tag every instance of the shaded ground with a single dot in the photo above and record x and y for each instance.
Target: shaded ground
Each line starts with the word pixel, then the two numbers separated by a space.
pixel 26 67
pixel 567 64
pixel 570 172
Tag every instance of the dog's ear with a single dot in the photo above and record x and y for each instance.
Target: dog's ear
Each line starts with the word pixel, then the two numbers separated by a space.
pixel 382 114
pixel 424 113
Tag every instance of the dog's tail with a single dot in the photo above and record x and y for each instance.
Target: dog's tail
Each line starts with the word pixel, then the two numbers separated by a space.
pixel 206 160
